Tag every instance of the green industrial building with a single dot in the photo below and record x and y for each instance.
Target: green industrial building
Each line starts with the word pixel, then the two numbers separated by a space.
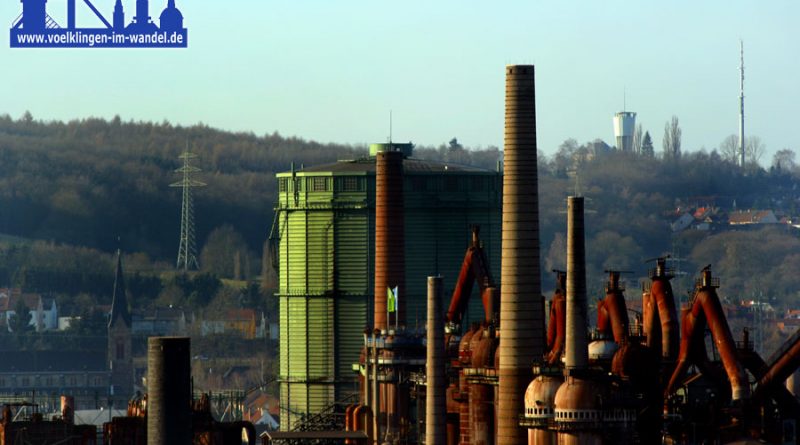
pixel 324 239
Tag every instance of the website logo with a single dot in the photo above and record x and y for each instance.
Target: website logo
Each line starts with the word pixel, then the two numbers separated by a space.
pixel 35 28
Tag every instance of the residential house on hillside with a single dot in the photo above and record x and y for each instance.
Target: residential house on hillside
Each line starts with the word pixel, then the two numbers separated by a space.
pixel 241 322
pixel 161 321
pixel 43 311
pixel 746 217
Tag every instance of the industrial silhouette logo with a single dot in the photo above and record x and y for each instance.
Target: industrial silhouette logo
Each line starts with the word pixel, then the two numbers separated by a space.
pixel 36 28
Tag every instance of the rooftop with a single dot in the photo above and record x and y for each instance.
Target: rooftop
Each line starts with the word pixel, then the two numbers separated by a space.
pixel 410 165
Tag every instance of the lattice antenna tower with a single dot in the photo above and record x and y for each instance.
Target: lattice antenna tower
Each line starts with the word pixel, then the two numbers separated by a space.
pixel 187 251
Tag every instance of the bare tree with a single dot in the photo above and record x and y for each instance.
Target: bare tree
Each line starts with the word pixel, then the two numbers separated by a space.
pixel 637 139
pixel 729 149
pixel 672 139
pixel 755 149
pixel 784 160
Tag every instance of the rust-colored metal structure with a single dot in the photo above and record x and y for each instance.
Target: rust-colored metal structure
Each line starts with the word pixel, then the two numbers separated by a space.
pixel 34 429
pixel 521 308
pixel 706 309
pixel 612 314
pixel 474 268
pixel 389 236
pixel 661 315
pixel 557 326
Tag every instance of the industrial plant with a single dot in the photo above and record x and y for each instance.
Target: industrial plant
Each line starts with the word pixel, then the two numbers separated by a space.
pixel 379 259
pixel 528 370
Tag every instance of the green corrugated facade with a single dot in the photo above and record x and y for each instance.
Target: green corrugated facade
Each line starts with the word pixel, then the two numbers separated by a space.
pixel 324 236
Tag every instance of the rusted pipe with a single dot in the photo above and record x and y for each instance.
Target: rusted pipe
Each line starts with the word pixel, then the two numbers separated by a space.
pixel 463 289
pixel 781 370
pixel 436 380
pixel 521 314
pixel 557 326
pixel 706 308
pixel 661 291
pixel 389 236
pixel 612 314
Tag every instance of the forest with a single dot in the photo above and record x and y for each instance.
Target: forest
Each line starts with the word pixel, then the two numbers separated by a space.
pixel 72 193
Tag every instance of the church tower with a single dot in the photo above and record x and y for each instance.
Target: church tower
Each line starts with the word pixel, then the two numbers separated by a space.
pixel 120 357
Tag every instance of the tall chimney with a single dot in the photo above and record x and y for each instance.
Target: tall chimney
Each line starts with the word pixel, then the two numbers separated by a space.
pixel 577 355
pixel 389 236
pixel 521 308
pixel 169 391
pixel 436 380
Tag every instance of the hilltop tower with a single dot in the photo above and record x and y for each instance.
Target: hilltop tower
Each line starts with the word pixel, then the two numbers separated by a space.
pixel 187 252
pixel 120 354
pixel 624 126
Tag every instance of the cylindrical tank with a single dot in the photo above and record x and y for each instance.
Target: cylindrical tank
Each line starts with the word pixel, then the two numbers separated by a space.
pixel 521 310
pixel 389 236
pixel 540 407
pixel 436 380
pixel 578 412
pixel 68 409
pixel 481 395
pixel 169 391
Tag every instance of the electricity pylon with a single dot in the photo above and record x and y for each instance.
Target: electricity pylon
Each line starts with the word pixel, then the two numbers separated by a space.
pixel 187 252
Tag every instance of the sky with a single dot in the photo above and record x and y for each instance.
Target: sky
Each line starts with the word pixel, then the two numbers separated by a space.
pixel 332 71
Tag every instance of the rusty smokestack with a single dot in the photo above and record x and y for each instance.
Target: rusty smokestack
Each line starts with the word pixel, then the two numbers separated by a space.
pixel 169 391
pixel 577 355
pixel 436 380
pixel 521 309
pixel 389 236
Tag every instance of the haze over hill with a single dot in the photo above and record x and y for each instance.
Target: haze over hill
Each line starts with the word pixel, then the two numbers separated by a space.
pixel 92 184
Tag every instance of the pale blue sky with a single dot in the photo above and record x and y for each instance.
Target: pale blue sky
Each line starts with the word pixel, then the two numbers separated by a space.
pixel 332 70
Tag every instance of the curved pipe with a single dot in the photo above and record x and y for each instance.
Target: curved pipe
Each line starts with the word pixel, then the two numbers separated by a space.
pixel 651 322
pixel 556 328
pixel 788 362
pixel 661 294
pixel 706 306
pixel 466 279
pixel 612 315
pixel 473 268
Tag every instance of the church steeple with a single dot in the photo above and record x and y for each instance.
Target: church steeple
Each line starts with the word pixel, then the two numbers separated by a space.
pixel 119 302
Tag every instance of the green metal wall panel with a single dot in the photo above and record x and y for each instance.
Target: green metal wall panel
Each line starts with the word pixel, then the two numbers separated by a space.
pixel 326 248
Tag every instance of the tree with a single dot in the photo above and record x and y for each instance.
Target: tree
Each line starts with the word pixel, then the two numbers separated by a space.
pixel 729 149
pixel 672 139
pixel 637 139
pixel 784 161
pixel 647 145
pixel 755 150
pixel 223 251
pixel 20 320
pixel 269 279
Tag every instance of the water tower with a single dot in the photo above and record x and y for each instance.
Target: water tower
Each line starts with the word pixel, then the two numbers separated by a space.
pixel 624 126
